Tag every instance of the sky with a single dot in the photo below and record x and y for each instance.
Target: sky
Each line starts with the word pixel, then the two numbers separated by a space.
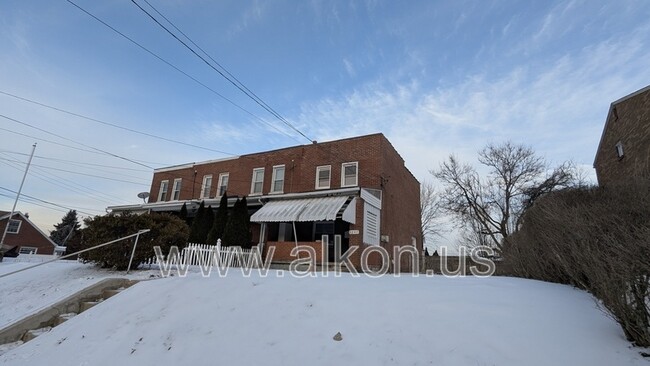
pixel 436 77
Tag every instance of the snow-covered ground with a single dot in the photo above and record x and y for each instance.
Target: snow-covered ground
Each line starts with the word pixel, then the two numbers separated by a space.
pixel 292 321
pixel 27 292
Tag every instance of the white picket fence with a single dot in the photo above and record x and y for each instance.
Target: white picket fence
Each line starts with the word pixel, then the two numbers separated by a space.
pixel 202 254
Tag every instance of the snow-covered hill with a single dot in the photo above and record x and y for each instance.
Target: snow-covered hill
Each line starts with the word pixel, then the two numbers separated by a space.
pixel 292 321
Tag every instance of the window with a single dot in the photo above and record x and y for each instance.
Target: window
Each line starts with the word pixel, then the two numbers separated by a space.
pixel 176 191
pixel 349 174
pixel 28 250
pixel 258 181
pixel 14 226
pixel 223 183
pixel 162 194
pixel 323 175
pixel 205 187
pixel 278 179
pixel 619 150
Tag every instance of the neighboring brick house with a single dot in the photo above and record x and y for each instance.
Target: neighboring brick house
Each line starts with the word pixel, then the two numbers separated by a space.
pixel 357 188
pixel 624 149
pixel 23 234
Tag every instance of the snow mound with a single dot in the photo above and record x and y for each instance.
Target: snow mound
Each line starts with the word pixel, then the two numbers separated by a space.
pixel 326 320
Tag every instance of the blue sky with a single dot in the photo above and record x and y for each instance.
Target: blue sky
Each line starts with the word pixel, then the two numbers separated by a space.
pixel 436 77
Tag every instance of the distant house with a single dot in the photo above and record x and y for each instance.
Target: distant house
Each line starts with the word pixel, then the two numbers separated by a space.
pixel 23 235
pixel 624 149
pixel 357 190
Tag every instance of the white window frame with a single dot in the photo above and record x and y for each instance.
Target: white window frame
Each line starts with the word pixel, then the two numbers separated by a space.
pixel 220 183
pixel 28 250
pixel 17 230
pixel 162 193
pixel 274 178
pixel 619 150
pixel 253 182
pixel 329 178
pixel 176 189
pixel 356 177
pixel 205 186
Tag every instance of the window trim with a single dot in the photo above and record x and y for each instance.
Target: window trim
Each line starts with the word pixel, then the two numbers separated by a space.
pixel 620 152
pixel 274 175
pixel 204 186
pixel 174 191
pixel 20 223
pixel 161 197
pixel 253 193
pixel 356 176
pixel 329 179
pixel 32 250
pixel 221 176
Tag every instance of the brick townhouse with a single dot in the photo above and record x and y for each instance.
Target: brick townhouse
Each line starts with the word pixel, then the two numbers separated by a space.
pixel 355 190
pixel 624 149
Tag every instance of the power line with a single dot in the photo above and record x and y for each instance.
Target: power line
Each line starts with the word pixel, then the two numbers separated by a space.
pixel 70 146
pixel 57 181
pixel 84 174
pixel 179 70
pixel 76 142
pixel 233 80
pixel 75 162
pixel 112 124
pixel 52 203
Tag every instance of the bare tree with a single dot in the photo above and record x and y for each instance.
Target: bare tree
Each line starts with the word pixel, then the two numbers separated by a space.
pixel 492 207
pixel 430 211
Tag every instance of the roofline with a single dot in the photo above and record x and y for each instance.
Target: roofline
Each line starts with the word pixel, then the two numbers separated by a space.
pixel 6 216
pixel 609 113
pixel 190 165
pixel 171 204
pixel 322 193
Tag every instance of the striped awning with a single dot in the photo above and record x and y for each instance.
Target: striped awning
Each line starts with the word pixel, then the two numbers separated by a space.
pixel 306 209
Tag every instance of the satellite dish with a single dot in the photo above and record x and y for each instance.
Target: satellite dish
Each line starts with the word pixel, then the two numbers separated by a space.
pixel 144 196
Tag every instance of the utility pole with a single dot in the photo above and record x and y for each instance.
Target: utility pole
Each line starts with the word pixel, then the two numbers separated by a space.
pixel 13 209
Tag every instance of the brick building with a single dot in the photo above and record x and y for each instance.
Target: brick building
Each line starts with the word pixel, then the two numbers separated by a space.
pixel 355 190
pixel 23 236
pixel 624 149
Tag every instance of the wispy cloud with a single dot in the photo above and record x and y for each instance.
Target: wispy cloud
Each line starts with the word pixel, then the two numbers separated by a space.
pixel 559 108
pixel 253 14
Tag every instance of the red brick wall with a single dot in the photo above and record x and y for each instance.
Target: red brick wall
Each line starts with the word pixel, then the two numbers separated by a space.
pixel 300 168
pixel 28 236
pixel 401 219
pixel 284 248
pixel 629 123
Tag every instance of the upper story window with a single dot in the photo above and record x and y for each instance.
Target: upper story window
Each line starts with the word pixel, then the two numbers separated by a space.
pixel 349 174
pixel 278 179
pixel 14 227
pixel 619 150
pixel 176 191
pixel 205 186
pixel 258 181
pixel 223 183
pixel 162 193
pixel 323 176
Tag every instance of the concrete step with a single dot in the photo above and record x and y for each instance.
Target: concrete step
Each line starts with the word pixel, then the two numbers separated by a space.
pixel 87 305
pixel 4 348
pixel 110 293
pixel 31 334
pixel 63 318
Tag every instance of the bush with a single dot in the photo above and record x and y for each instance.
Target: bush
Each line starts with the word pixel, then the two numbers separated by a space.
pixel 597 239
pixel 238 229
pixel 166 231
